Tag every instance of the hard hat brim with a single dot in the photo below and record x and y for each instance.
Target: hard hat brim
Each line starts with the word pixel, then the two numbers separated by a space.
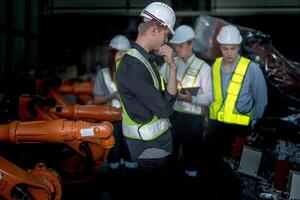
pixel 176 41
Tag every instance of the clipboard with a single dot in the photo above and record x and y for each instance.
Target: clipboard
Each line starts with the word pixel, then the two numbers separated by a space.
pixel 192 90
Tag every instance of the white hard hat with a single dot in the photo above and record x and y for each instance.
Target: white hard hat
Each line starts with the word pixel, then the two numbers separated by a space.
pixel 229 34
pixel 160 12
pixel 183 34
pixel 119 42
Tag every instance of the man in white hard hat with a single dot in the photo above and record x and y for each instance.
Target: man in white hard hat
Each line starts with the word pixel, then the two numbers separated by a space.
pixel 105 92
pixel 187 119
pixel 146 101
pixel 239 100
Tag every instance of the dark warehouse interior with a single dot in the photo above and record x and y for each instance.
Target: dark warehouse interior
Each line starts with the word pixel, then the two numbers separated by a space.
pixel 47 44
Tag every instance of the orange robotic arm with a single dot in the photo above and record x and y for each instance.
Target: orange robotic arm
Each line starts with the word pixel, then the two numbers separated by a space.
pixel 88 112
pixel 98 137
pixel 30 110
pixel 84 112
pixel 40 183
pixel 84 88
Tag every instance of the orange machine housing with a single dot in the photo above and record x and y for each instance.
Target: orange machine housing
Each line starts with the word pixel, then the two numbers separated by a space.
pixel 98 137
pixel 40 183
pixel 91 113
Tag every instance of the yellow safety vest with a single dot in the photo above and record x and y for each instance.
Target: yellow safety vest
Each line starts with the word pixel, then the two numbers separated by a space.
pixel 154 128
pixel 225 111
pixel 189 80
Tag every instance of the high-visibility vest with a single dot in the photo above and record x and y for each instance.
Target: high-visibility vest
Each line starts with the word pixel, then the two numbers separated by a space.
pixel 189 80
pixel 225 110
pixel 111 86
pixel 154 128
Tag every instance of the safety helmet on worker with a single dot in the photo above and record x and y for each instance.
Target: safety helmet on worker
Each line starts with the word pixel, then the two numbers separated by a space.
pixel 229 34
pixel 160 12
pixel 183 34
pixel 119 42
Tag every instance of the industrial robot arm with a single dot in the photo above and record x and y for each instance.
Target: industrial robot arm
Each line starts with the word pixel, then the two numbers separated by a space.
pixel 40 183
pixel 84 112
pixel 98 137
pixel 92 113
pixel 84 88
pixel 88 112
pixel 37 108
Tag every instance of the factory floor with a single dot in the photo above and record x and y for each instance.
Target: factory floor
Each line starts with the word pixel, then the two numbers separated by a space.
pixel 128 185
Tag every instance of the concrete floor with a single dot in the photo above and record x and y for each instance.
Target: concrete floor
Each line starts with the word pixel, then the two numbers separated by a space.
pixel 131 186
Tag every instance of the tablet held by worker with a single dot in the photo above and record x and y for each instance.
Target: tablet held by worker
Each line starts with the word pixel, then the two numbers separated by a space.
pixel 192 90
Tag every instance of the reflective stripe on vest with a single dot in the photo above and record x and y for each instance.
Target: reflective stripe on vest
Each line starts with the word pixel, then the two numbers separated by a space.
pixel 154 128
pixel 188 80
pixel 111 86
pixel 226 111
pixel 148 131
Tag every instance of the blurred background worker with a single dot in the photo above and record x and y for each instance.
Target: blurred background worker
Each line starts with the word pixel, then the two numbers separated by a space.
pixel 187 119
pixel 239 100
pixel 105 92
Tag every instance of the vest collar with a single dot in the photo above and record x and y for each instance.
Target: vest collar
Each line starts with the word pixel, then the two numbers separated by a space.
pixel 142 51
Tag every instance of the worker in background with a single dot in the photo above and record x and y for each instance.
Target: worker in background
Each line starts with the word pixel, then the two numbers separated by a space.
pixel 105 92
pixel 187 119
pixel 146 101
pixel 239 100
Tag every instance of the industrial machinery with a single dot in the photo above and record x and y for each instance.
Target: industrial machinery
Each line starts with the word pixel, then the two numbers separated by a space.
pixel 77 88
pixel 40 183
pixel 91 143
pixel 97 137
pixel 82 90
pixel 64 109
pixel 34 107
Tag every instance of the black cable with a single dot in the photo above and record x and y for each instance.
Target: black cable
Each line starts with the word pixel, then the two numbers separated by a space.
pixel 138 130
pixel 22 193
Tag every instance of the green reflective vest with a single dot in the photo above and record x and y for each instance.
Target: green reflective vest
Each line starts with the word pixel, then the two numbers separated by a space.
pixel 225 110
pixel 154 128
pixel 189 80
